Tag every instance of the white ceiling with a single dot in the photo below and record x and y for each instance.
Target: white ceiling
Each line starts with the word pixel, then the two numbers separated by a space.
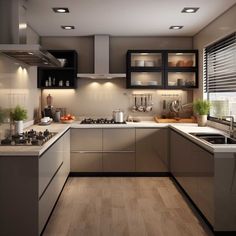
pixel 123 17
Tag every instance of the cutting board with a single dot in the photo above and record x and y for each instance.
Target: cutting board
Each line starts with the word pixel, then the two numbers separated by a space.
pixel 173 120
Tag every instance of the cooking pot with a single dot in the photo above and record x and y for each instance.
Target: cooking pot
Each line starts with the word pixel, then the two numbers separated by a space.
pixel 118 116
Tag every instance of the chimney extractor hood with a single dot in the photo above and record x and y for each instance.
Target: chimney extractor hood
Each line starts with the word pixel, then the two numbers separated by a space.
pixel 101 60
pixel 13 36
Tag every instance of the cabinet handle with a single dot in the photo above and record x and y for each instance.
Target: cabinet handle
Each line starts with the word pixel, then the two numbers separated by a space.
pixel 102 152
pixel 86 151
pixel 118 151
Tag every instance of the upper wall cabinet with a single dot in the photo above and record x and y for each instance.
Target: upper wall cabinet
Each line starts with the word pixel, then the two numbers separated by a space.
pixel 59 77
pixel 165 69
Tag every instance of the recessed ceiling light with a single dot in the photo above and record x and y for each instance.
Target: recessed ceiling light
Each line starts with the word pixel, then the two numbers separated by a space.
pixel 30 53
pixel 176 27
pixel 190 9
pixel 67 27
pixel 60 9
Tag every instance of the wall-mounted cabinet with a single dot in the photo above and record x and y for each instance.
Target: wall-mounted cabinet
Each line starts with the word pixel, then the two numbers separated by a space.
pixel 165 69
pixel 59 77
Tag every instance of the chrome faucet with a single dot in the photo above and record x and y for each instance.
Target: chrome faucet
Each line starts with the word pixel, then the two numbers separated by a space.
pixel 232 132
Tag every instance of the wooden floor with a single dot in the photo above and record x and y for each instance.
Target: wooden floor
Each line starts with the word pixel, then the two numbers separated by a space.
pixel 123 206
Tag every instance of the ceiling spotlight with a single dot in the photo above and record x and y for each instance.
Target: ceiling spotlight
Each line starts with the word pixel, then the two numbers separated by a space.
pixel 60 9
pixel 30 53
pixel 190 9
pixel 176 27
pixel 46 63
pixel 67 27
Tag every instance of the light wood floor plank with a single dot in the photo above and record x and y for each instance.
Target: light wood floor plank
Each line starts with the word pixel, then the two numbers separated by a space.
pixel 123 207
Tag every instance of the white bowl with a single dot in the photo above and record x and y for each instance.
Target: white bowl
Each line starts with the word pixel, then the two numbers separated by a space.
pixel 149 63
pixel 137 83
pixel 139 62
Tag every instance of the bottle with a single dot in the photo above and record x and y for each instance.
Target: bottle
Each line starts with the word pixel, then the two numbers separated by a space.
pixel 53 81
pixel 61 83
pixel 49 100
pixel 49 81
pixel 164 110
pixel 46 83
pixel 67 83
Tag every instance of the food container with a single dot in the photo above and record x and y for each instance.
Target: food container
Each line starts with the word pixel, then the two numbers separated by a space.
pixel 139 62
pixel 189 63
pixel 62 61
pixel 180 63
pixel 118 116
pixel 149 63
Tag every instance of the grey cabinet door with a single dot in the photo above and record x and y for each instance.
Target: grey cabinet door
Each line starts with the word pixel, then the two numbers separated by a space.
pixel 193 167
pixel 86 162
pixel 151 150
pixel 118 139
pixel 119 162
pixel 86 139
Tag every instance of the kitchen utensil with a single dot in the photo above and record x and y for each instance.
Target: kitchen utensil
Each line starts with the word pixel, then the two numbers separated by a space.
pixel 118 116
pixel 149 106
pixel 135 104
pixel 57 116
pixel 175 106
pixel 141 108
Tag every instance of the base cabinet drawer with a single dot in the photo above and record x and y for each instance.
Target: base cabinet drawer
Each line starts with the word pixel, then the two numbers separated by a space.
pixel 49 197
pixel 49 163
pixel 119 162
pixel 86 161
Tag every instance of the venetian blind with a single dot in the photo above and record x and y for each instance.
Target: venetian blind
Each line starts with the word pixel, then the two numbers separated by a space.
pixel 220 66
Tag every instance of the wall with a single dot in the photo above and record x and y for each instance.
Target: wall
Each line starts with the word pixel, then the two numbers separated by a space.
pixel 99 98
pixel 219 28
pixel 18 85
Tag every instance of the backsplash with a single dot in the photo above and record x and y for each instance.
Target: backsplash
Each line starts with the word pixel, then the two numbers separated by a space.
pixel 96 98
pixel 18 86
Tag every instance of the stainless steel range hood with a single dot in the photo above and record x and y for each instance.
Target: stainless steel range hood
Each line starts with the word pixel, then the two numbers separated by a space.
pixel 13 37
pixel 101 60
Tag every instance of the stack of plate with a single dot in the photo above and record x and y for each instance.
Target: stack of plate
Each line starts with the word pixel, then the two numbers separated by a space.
pixel 137 83
pixel 152 83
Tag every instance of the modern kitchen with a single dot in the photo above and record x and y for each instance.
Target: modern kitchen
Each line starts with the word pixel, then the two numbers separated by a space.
pixel 117 117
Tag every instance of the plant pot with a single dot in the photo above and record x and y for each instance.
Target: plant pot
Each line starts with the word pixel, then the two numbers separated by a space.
pixel 19 126
pixel 202 120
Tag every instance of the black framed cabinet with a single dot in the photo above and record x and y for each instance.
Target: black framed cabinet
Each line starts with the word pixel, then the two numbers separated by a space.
pixel 59 77
pixel 162 69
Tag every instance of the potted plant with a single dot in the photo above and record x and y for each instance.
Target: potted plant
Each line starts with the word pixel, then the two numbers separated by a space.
pixel 18 115
pixel 202 108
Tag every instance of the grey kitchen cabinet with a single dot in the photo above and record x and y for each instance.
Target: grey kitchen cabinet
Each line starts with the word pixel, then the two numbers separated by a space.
pixel 119 139
pixel 86 139
pixel 119 150
pixel 86 150
pixel 193 168
pixel 151 150
pixel 85 161
pixel 60 153
pixel 35 185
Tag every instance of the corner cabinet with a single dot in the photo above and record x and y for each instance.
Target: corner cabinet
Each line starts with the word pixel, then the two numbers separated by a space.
pixel 59 77
pixel 162 69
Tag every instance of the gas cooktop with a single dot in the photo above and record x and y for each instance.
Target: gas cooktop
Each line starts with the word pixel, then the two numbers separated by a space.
pixel 99 121
pixel 28 138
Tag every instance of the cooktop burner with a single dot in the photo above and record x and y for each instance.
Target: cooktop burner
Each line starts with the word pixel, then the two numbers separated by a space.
pixel 28 138
pixel 99 121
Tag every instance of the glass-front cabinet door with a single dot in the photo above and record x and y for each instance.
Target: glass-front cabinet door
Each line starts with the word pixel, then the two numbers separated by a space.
pixel 181 70
pixel 145 69
pixel 162 69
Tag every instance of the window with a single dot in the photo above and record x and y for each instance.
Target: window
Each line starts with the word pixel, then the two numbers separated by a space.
pixel 220 76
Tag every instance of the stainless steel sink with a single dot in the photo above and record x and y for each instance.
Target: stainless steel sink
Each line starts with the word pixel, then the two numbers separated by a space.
pixel 215 138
